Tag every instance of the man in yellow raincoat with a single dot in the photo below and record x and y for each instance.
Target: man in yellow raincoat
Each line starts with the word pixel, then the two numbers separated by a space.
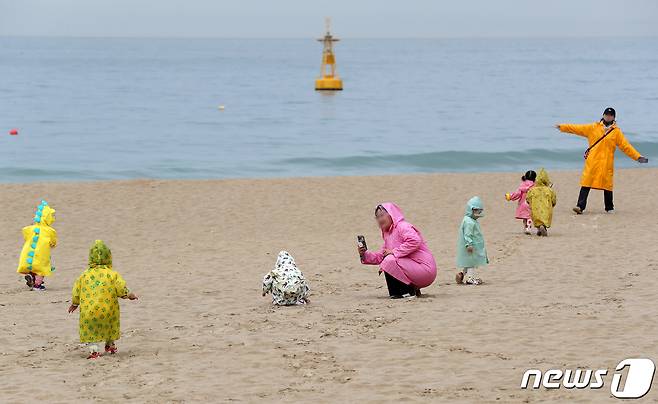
pixel 603 138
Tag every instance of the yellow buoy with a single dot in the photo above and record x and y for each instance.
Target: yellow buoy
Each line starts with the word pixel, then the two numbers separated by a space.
pixel 328 80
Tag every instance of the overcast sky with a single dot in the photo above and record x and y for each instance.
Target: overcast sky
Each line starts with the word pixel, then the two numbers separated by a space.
pixel 351 18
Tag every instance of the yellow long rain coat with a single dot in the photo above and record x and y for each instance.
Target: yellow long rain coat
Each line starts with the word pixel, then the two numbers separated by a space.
pixel 541 198
pixel 599 165
pixel 39 238
pixel 96 291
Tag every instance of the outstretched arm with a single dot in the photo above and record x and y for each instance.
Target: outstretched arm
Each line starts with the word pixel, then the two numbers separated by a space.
pixel 628 149
pixel 516 195
pixel 373 257
pixel 580 130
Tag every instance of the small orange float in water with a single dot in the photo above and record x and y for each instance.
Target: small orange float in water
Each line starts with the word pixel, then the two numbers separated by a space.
pixel 13 132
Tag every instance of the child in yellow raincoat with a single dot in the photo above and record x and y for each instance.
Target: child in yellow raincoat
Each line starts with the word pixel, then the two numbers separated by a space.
pixel 542 198
pixel 96 292
pixel 40 238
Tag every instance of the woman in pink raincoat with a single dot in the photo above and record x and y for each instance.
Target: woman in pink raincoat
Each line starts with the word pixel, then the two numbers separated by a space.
pixel 523 209
pixel 407 263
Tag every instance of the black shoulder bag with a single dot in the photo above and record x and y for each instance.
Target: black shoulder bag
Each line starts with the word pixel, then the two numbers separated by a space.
pixel 597 142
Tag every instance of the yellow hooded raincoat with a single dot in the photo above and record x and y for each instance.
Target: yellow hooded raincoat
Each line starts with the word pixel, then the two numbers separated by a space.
pixel 599 165
pixel 96 291
pixel 39 238
pixel 541 199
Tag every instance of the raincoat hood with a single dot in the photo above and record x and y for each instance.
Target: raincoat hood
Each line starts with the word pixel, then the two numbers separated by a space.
pixel 44 214
pixel 542 178
pixel 100 255
pixel 474 203
pixel 284 258
pixel 396 215
pixel 394 211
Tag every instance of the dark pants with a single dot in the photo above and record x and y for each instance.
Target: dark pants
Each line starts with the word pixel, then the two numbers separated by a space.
pixel 398 288
pixel 584 193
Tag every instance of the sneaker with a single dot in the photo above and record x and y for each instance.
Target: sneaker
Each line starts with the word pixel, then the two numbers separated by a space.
pixel 404 296
pixel 41 287
pixel 94 355
pixel 111 349
pixel 473 281
pixel 29 280
pixel 611 211
pixel 542 231
pixel 459 278
pixel 578 210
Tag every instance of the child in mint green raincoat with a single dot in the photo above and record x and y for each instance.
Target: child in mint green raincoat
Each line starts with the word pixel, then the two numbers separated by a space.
pixel 471 252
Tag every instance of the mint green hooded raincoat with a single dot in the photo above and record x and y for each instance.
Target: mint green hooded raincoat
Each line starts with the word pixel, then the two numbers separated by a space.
pixel 470 234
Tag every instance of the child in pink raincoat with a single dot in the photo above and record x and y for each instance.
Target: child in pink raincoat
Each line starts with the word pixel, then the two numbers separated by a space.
pixel 523 209
pixel 407 263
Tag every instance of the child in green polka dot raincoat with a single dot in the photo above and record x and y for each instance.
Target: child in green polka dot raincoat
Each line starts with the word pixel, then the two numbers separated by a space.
pixel 96 292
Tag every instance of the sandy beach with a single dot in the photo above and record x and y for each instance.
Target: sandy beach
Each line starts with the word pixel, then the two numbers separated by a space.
pixel 196 251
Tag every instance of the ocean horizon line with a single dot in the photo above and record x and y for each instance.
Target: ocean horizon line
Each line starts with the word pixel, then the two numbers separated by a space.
pixel 342 37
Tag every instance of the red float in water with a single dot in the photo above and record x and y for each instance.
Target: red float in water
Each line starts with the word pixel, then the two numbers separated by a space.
pixel 13 132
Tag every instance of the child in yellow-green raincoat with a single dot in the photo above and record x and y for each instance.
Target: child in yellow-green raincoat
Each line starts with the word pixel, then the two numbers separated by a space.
pixel 542 199
pixel 96 292
pixel 40 238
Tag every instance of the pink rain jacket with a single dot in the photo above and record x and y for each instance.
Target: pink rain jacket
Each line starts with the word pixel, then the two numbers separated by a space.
pixel 411 261
pixel 523 210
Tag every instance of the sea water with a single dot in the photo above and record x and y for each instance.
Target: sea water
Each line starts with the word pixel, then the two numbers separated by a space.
pixel 99 108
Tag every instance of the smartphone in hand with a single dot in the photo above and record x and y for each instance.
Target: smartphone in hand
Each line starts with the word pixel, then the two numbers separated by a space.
pixel 361 243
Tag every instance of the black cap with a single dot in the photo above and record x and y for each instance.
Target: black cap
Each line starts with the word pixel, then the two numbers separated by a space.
pixel 610 111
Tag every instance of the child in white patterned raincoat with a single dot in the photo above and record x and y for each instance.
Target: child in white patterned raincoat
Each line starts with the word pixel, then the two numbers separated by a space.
pixel 286 282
